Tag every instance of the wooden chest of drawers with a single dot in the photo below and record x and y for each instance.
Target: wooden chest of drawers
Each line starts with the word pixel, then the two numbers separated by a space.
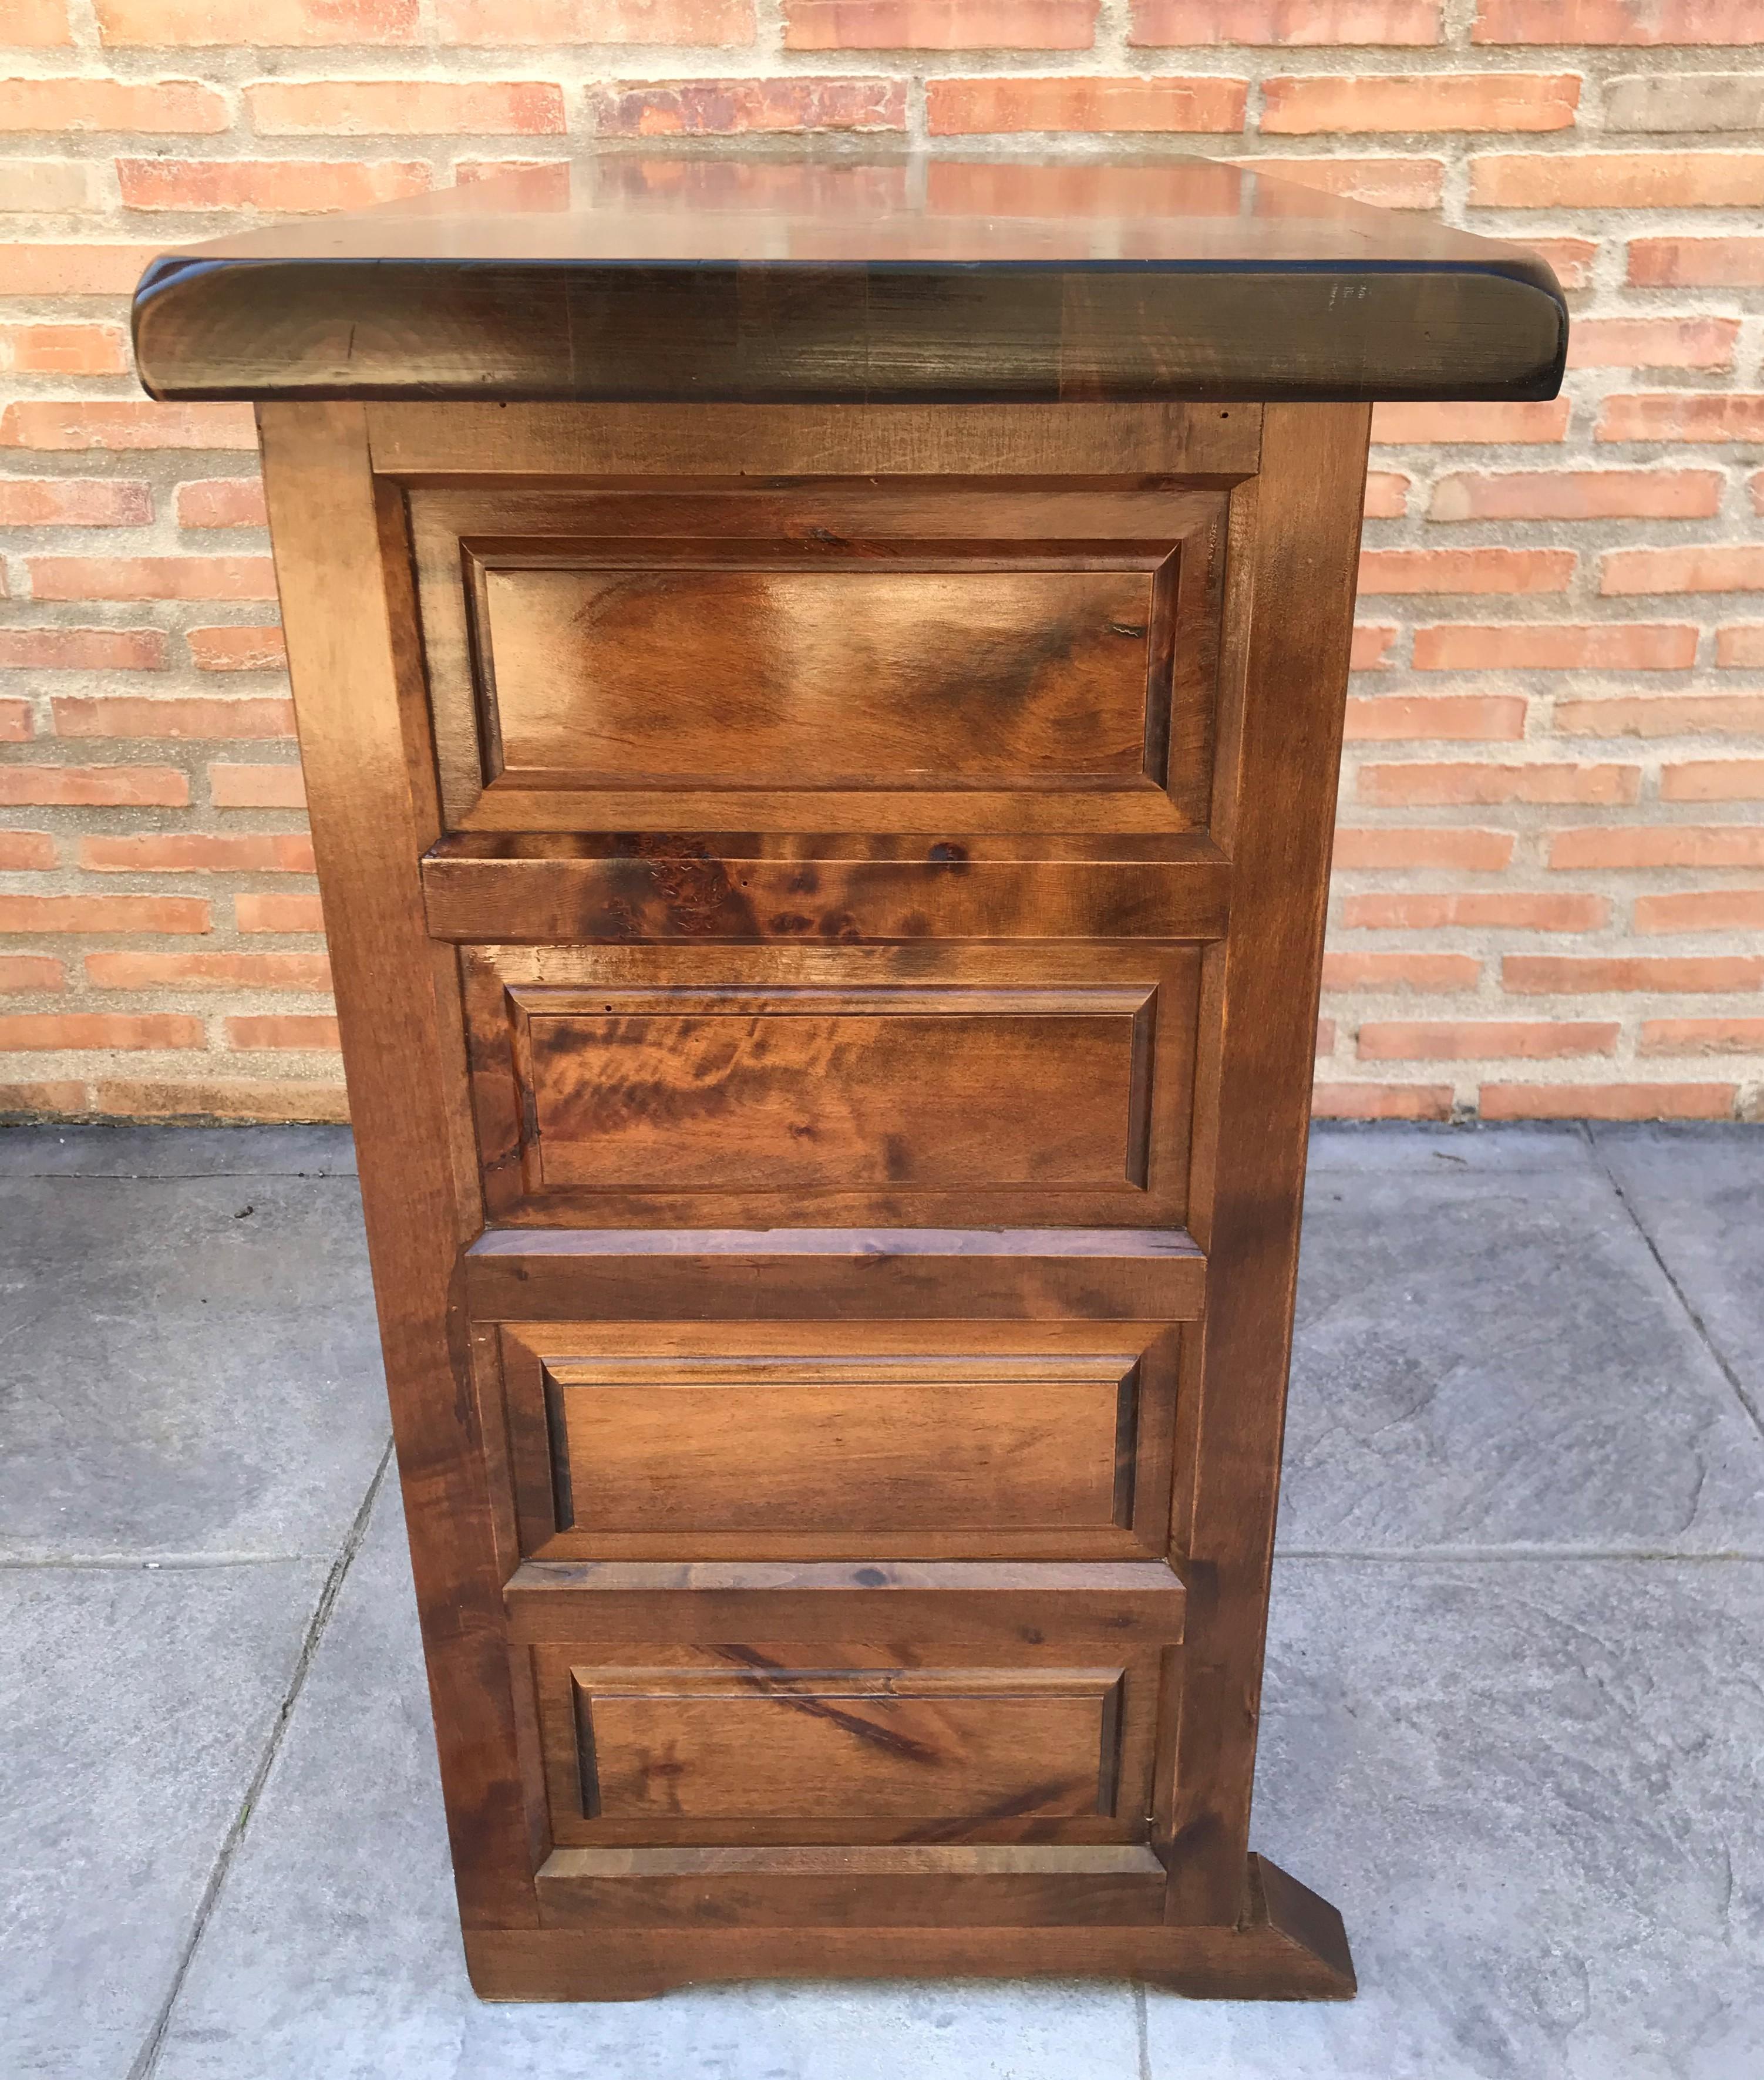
pixel 826 905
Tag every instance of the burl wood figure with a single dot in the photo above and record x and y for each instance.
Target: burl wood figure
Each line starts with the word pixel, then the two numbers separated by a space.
pixel 820 686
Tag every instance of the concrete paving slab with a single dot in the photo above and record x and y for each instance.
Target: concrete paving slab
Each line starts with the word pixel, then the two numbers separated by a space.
pixel 1414 1149
pixel 1497 1360
pixel 177 1151
pixel 1699 1195
pixel 191 1367
pixel 138 1705
pixel 1537 1792
pixel 334 1950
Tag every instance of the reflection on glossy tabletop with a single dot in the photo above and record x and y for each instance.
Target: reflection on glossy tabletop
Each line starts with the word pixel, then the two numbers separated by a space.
pixel 838 279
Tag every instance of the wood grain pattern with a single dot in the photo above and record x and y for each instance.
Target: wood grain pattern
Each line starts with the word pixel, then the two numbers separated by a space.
pixel 640 1086
pixel 931 278
pixel 988 1886
pixel 558 888
pixel 845 1440
pixel 629 656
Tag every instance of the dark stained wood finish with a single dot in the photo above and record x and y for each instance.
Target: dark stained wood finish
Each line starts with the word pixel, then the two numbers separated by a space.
pixel 835 1274
pixel 827 904
pixel 926 281
pixel 689 1087
pixel 497 888
pixel 861 1439
pixel 1033 659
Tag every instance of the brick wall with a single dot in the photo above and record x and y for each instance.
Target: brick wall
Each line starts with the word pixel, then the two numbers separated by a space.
pixel 1550 877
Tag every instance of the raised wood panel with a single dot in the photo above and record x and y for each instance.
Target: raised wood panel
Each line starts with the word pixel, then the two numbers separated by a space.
pixel 772 1439
pixel 1045 1084
pixel 940 657
pixel 764 1741
pixel 638 677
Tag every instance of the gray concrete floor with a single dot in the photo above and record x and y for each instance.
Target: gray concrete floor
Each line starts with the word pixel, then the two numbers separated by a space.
pixel 1514 1721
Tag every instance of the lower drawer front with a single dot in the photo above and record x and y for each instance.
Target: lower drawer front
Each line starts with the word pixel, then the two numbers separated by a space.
pixel 1004 1715
pixel 753 1439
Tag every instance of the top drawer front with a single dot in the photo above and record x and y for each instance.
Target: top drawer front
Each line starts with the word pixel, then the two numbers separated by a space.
pixel 830 657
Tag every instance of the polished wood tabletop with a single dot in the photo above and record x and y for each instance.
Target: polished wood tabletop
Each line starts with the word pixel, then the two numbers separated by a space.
pixel 831 278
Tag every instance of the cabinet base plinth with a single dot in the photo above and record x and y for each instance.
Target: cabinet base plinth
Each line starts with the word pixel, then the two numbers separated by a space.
pixel 1291 1947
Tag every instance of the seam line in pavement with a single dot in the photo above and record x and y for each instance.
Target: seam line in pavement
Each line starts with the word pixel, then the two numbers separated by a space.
pixel 1691 1315
pixel 1536 1555
pixel 147 2058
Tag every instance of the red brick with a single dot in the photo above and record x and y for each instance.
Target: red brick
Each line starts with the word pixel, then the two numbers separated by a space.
pixel 1652 342
pixel 1467 852
pixel 196 716
pixel 282 1029
pixel 82 649
pixel 21 973
pixel 1612 21
pixel 1578 494
pixel 1606 1101
pixel 1555 646
pixel 1713 780
pixel 1702 1036
pixel 198 852
pixel 1484 1039
pixel 1370 651
pixel 282 187
pixel 26 852
pixel 1325 1036
pixel 42 1100
pixel 1684 415
pixel 233 1098
pixel 1617 180
pixel 1387 494
pixel 1390 718
pixel 1009 101
pixel 172 106
pixel 1431 101
pixel 64 349
pixel 1382 183
pixel 1297 22
pixel 1419 781
pixel 38 914
pixel 939 25
pixel 537 183
pixel 1381 1102
pixel 36 23
pixel 294 971
pixel 1382 973
pixel 1621 846
pixel 15 720
pixel 49 1032
pixel 723 107
pixel 265 24
pixel 606 22
pixel 1702 910
pixel 1706 567
pixel 77 501
pixel 70 786
pixel 152 577
pixel 236 649
pixel 1465 570
pixel 404 107
pixel 278 913
pixel 1570 258
pixel 1740 644
pixel 73 270
pixel 1399 425
pixel 221 501
pixel 233 786
pixel 50 186
pixel 1666 101
pixel 1672 715
pixel 1559 974
pixel 1515 910
pixel 1667 263
pixel 79 422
